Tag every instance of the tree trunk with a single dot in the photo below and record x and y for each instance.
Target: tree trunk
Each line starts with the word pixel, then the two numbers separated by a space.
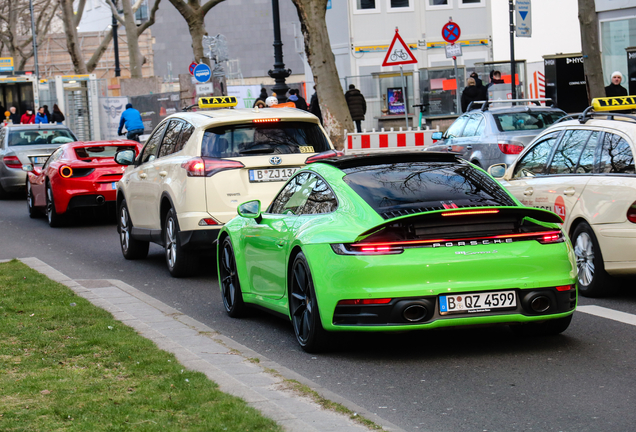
pixel 335 112
pixel 72 41
pixel 134 54
pixel 196 25
pixel 593 66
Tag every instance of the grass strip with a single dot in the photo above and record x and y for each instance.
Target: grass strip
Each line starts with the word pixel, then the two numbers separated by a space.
pixel 68 365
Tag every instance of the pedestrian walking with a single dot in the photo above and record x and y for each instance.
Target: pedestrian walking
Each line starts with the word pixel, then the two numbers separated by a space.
pixel 132 120
pixel 314 105
pixel 261 97
pixel 57 116
pixel 495 78
pixel 49 116
pixel 615 88
pixel 28 117
pixel 298 100
pixel 357 106
pixel 471 94
pixel 14 116
pixel 40 117
pixel 480 85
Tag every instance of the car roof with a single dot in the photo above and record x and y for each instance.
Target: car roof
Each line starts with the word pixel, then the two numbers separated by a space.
pixel 370 159
pixel 627 126
pixel 77 144
pixel 523 108
pixel 203 118
pixel 38 126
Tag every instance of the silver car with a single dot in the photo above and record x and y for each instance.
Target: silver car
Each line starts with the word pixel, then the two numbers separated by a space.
pixel 27 144
pixel 495 135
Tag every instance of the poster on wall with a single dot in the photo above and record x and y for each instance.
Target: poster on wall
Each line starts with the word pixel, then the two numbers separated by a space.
pixel 110 109
pixel 396 100
pixel 155 107
pixel 245 95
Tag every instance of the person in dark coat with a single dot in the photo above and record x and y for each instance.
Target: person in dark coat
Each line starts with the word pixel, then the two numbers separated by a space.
pixel 480 85
pixel 14 116
pixel 48 114
pixel 57 116
pixel 298 100
pixel 263 96
pixel 357 106
pixel 314 106
pixel 615 88
pixel 471 94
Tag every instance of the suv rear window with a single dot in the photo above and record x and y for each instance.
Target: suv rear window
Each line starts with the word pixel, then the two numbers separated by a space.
pixel 266 138
pixel 399 189
pixel 40 136
pixel 521 121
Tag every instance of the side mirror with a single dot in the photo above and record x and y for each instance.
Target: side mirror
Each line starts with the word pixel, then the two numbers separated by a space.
pixel 250 209
pixel 437 136
pixel 125 157
pixel 27 168
pixel 497 170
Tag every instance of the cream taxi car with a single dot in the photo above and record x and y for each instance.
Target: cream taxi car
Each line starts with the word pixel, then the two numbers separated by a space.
pixel 583 170
pixel 197 167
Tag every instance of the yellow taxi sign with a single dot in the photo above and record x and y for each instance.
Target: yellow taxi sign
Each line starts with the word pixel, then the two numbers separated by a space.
pixel 614 103
pixel 217 102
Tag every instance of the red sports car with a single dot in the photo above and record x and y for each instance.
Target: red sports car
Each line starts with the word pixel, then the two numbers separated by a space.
pixel 77 174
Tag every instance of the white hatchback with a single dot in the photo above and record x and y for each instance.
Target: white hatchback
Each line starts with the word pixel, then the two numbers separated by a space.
pixel 197 167
pixel 583 170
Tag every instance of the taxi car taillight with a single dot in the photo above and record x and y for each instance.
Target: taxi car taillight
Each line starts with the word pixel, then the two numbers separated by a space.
pixel 207 167
pixel 631 213
pixel 324 155
pixel 12 162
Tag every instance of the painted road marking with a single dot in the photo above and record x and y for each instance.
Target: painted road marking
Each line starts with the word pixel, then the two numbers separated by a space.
pixel 609 314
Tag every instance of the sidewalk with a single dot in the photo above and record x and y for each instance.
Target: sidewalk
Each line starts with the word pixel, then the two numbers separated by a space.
pixel 200 348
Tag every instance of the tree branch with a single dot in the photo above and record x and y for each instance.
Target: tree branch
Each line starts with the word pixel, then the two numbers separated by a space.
pixel 97 55
pixel 209 5
pixel 151 19
pixel 79 12
pixel 115 13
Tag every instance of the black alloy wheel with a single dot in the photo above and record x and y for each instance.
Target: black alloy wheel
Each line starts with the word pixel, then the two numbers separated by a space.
pixel 230 285
pixel 54 218
pixel 130 248
pixel 304 307
pixel 593 280
pixel 33 213
pixel 180 263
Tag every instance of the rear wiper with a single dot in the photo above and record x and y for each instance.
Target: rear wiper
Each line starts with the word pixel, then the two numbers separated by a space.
pixel 257 150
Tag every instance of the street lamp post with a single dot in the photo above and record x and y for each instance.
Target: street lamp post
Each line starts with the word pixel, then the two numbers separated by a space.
pixel 115 24
pixel 35 44
pixel 279 73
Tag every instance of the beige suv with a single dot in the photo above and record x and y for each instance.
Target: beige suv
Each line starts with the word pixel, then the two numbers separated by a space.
pixel 197 167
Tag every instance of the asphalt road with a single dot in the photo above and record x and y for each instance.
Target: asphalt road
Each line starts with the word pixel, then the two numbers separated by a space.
pixel 481 379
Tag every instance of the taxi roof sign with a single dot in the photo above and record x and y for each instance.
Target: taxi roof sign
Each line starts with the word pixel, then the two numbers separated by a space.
pixel 217 102
pixel 613 103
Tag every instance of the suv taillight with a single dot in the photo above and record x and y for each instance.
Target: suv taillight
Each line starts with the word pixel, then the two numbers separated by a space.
pixel 509 149
pixel 12 162
pixel 207 167
pixel 631 213
pixel 324 155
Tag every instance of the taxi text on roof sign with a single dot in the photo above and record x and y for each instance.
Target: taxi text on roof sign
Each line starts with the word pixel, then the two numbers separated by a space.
pixel 217 102
pixel 612 103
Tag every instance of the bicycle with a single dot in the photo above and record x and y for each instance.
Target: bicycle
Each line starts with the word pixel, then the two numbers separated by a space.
pixel 399 54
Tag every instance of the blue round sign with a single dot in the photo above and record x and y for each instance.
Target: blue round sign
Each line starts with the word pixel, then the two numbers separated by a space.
pixel 202 73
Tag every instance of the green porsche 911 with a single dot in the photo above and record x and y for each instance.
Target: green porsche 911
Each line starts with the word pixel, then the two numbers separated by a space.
pixel 397 241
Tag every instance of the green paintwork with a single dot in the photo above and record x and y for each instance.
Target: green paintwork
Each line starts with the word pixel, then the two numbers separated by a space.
pixel 265 249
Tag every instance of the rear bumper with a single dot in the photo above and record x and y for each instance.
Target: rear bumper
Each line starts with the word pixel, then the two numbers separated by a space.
pixel 12 180
pixel 70 199
pixel 199 239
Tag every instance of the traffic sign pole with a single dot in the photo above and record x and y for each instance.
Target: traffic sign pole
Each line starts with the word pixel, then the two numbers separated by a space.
pixel 451 33
pixel 458 101
pixel 406 98
pixel 513 65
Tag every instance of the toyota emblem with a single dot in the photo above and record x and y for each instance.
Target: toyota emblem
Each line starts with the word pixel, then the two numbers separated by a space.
pixel 275 160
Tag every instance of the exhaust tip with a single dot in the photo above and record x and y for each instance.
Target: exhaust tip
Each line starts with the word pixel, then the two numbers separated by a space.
pixel 540 304
pixel 414 313
pixel 100 199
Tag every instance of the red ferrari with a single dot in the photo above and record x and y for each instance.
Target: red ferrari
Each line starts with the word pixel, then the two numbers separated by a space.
pixel 77 174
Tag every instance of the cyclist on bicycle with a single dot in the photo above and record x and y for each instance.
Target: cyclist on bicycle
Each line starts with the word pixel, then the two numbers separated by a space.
pixel 132 120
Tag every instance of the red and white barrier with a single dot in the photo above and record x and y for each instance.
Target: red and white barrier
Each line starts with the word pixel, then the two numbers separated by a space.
pixel 410 139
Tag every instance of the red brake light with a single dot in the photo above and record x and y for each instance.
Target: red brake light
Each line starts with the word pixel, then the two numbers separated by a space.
pixel 207 167
pixel 324 155
pixel 552 237
pixel 207 221
pixel 266 120
pixel 359 302
pixel 565 287
pixel 470 212
pixel 631 213
pixel 12 162
pixel 66 171
pixel 510 148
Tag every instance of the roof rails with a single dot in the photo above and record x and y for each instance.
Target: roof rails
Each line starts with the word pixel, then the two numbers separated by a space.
pixel 589 113
pixel 486 103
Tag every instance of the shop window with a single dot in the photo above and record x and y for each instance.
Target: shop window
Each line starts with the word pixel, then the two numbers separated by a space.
pixel 367 6
pixel 439 88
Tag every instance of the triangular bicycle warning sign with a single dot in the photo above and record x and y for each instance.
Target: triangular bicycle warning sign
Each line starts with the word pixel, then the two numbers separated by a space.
pixel 399 53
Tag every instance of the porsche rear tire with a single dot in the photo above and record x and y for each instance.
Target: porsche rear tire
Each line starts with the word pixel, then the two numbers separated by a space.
pixel 180 262
pixel 131 248
pixel 230 285
pixel 303 306
pixel 54 218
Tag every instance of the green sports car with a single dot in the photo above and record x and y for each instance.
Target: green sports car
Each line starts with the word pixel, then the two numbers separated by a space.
pixel 397 241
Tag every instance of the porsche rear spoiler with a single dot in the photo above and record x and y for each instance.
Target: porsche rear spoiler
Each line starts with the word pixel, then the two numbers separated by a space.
pixel 467 221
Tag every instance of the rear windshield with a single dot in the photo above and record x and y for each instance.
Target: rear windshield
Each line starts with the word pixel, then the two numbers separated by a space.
pixel 100 151
pixel 522 121
pixel 404 188
pixel 40 136
pixel 267 138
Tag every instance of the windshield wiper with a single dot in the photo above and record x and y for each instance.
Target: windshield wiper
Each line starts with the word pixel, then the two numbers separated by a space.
pixel 257 150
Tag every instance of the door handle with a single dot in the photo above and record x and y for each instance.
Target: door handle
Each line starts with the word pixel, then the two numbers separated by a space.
pixel 143 175
pixel 163 173
pixel 469 147
pixel 450 148
pixel 569 191
pixel 280 243
pixel 528 192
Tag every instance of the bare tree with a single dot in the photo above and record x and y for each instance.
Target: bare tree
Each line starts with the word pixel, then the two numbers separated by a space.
pixel 592 64
pixel 335 112
pixel 15 27
pixel 194 14
pixel 71 20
